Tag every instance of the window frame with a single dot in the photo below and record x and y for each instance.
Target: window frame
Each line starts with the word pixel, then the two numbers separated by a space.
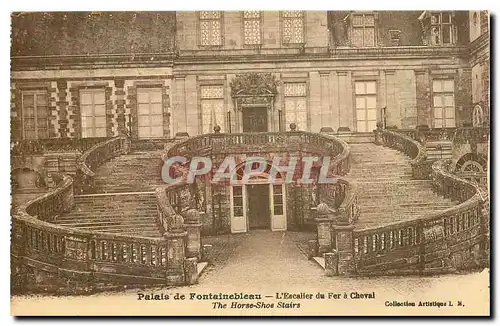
pixel 92 90
pixel 261 36
pixel 304 97
pixel 441 24
pixel 221 29
pixel 148 89
pixel 282 24
pixel 352 27
pixel 365 79
pixel 223 101
pixel 443 106
pixel 35 93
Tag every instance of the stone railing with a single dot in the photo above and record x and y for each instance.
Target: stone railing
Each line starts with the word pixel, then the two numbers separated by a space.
pixel 410 147
pixel 96 156
pixel 212 144
pixel 50 257
pixel 43 146
pixel 471 135
pixel 455 238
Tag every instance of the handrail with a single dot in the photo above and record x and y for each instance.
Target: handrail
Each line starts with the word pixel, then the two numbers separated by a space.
pixel 95 156
pixel 409 238
pixel 410 147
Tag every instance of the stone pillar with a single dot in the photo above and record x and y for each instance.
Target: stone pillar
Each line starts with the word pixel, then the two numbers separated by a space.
pixel 192 226
pixel 312 249
pixel 331 263
pixel 207 253
pixel 191 270
pixel 345 249
pixel 323 222
pixel 175 257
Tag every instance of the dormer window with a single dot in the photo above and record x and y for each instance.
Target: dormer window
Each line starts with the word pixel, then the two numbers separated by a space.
pixel 438 28
pixel 361 29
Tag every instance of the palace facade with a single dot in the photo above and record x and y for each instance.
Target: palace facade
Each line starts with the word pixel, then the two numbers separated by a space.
pixel 157 74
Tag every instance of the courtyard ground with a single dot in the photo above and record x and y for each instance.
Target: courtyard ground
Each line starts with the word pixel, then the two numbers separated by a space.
pixel 267 263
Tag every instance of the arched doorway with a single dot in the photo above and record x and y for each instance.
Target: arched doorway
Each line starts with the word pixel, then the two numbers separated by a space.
pixel 258 203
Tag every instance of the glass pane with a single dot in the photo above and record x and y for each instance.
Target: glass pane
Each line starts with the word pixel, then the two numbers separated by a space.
pixel 438 101
pixel 357 20
pixel 251 14
pixel 278 199
pixel 28 100
pixel 43 133
pixel 238 211
pixel 100 122
pixel 29 124
pixel 449 112
pixel 372 125
pixel 237 191
pixel 157 131
pixel 369 39
pixel 361 126
pixel 298 31
pixel 369 20
pixel 437 86
pixel 86 110
pixel 371 87
pixel 361 114
pixel 359 87
pixel 144 120
pixel 371 114
pixel 448 100
pixel 155 96
pixel 438 113
pixel 142 96
pixel 371 102
pixel 99 97
pixel 85 97
pixel 277 189
pixel 28 112
pixel 100 110
pixel 360 103
pixel 446 34
pixel 204 33
pixel 157 120
pixel 278 210
pixel 449 85
pixel 41 100
pixel 357 37
pixel 156 108
pixel 87 122
pixel 446 18
pixel 29 134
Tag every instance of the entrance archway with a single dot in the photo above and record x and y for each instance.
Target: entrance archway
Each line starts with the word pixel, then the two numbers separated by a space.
pixel 259 203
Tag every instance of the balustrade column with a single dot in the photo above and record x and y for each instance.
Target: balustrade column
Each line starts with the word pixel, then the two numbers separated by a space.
pixel 192 225
pixel 175 256
pixel 345 249
pixel 323 221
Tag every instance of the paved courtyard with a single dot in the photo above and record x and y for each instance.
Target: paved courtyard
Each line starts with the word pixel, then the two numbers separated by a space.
pixel 266 263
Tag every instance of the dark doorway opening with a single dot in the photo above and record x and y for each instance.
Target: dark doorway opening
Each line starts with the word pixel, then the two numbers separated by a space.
pixel 255 119
pixel 259 216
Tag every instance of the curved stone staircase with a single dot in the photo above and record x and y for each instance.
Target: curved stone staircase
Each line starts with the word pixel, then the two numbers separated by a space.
pixel 386 192
pixel 123 199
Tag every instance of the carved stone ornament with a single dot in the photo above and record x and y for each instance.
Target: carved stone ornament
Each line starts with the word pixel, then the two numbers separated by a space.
pixel 254 84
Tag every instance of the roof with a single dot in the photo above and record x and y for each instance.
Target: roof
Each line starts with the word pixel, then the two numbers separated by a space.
pixel 91 33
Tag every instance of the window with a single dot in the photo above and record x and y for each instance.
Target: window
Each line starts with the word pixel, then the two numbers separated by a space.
pixel 210 28
pixel 366 106
pixel 441 29
pixel 150 112
pixel 212 107
pixel 277 199
pixel 93 113
pixel 444 103
pixel 238 201
pixel 35 115
pixel 251 27
pixel 293 27
pixel 363 30
pixel 295 105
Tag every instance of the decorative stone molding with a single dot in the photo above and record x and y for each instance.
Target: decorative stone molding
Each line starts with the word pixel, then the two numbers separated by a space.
pixel 249 89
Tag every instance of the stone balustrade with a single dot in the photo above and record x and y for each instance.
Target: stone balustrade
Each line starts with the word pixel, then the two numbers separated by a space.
pixel 410 147
pixel 96 156
pixel 452 239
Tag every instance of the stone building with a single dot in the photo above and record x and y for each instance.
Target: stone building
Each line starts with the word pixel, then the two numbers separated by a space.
pixel 159 75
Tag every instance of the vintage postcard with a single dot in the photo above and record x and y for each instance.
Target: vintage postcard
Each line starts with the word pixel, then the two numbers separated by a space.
pixel 250 163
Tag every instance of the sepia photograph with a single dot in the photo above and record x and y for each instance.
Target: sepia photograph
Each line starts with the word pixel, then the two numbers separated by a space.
pixel 250 163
